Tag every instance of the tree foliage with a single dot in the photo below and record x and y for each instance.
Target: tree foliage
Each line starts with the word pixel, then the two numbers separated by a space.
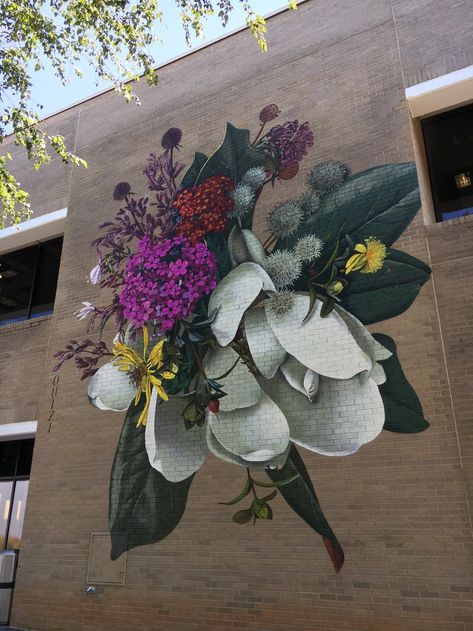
pixel 113 37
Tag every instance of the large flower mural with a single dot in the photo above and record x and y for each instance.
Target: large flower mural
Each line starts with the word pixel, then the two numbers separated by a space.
pixel 246 348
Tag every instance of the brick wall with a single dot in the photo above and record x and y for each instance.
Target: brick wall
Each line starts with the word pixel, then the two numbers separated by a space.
pixel 399 505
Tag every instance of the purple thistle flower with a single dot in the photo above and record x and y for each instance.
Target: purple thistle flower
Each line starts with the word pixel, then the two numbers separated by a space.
pixel 171 138
pixel 289 141
pixel 121 190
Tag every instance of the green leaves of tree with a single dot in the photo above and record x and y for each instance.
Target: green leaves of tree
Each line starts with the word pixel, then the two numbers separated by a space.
pixel 388 292
pixel 401 405
pixel 144 507
pixel 301 497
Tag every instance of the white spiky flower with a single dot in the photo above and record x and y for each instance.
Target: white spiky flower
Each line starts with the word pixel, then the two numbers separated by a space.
pixel 254 178
pixel 309 248
pixel 244 198
pixel 284 219
pixel 327 176
pixel 284 268
pixel 281 303
pixel 309 202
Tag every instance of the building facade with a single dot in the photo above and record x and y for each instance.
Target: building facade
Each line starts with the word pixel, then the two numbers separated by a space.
pixel 371 79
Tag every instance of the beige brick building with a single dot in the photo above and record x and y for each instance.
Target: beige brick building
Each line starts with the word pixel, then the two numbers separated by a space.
pixel 362 74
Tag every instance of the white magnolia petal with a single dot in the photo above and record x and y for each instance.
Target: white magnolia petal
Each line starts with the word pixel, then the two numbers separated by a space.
pixel 325 345
pixel 244 246
pixel 294 373
pixel 173 450
pixel 256 433
pixel 344 416
pixel 311 384
pixel 377 374
pixel 240 385
pixel 365 340
pixel 233 295
pixel 266 351
pixel 111 389
pixel 220 452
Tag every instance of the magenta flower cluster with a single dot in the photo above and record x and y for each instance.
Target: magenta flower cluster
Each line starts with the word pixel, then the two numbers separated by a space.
pixel 165 280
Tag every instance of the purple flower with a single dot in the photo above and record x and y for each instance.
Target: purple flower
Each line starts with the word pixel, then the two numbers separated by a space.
pixel 95 275
pixel 164 281
pixel 290 141
pixel 86 310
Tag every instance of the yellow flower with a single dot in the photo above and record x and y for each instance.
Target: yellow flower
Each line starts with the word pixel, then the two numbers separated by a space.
pixel 145 371
pixel 369 258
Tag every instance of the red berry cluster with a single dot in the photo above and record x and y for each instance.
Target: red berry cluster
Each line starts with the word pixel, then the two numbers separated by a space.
pixel 204 208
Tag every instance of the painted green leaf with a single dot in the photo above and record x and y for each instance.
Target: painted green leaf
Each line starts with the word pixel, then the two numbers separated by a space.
pixel 233 158
pixel 144 507
pixel 190 176
pixel 301 497
pixel 402 407
pixel 218 245
pixel 380 202
pixel 387 293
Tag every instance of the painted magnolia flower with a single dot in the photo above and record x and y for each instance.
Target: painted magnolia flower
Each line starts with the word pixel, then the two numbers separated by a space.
pixel 134 371
pixel 317 379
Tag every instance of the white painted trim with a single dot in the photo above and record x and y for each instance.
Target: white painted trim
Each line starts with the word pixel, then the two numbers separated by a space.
pixel 448 90
pixel 28 232
pixel 16 431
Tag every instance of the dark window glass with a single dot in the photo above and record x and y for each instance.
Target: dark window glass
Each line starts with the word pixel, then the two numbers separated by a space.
pixel 448 139
pixel 25 456
pixel 28 280
pixel 8 458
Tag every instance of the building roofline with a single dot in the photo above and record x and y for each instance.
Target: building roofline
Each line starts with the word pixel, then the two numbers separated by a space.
pixel 187 53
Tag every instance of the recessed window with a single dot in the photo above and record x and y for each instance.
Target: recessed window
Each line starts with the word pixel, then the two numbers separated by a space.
pixel 15 466
pixel 28 280
pixel 448 140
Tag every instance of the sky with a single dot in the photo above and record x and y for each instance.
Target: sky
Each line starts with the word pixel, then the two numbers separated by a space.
pixel 48 90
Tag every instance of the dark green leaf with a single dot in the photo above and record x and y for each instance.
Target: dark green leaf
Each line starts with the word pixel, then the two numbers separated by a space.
pixel 327 308
pixel 313 298
pixel 190 176
pixel 144 507
pixel 301 497
pixel 242 516
pixel 218 245
pixel 403 411
pixel 380 202
pixel 234 156
pixel 387 293
pixel 271 496
pixel 238 498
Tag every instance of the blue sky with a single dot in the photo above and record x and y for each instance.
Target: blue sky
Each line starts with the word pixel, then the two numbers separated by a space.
pixel 49 91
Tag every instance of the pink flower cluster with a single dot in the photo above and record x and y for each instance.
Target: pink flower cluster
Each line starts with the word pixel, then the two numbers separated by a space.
pixel 165 280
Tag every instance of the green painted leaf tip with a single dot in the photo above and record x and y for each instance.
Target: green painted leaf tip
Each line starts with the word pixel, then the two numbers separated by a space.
pixel 190 176
pixel 388 292
pixel 402 407
pixel 301 497
pixel 144 507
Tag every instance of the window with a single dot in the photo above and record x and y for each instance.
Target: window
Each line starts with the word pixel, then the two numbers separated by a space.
pixel 448 139
pixel 15 466
pixel 28 280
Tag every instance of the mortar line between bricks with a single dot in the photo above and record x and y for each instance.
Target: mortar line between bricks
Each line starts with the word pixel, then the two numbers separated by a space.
pixel 452 403
pixel 398 46
pixel 463 258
